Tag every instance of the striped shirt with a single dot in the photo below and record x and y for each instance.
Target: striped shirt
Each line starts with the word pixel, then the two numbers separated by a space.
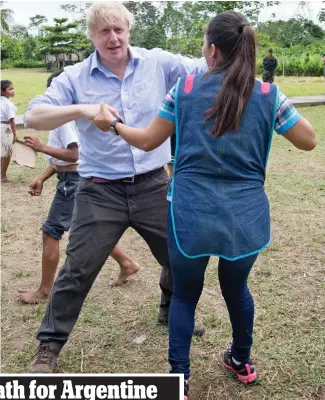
pixel 286 116
pixel 150 74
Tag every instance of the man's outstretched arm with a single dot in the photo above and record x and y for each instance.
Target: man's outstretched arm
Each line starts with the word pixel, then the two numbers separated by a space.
pixel 57 106
pixel 47 117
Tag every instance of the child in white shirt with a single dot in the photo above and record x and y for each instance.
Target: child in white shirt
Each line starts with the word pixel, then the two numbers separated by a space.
pixel 8 126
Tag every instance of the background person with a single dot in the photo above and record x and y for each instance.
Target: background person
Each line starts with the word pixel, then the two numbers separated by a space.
pixel 269 64
pixel 8 126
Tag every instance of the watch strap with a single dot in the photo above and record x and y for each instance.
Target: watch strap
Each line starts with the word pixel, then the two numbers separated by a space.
pixel 116 121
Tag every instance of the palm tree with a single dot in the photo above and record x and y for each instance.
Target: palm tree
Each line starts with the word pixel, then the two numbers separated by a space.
pixel 7 16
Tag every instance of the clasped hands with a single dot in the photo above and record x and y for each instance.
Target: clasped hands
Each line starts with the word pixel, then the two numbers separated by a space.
pixel 101 114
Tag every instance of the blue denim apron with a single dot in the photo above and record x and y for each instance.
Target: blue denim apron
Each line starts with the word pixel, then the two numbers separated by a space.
pixel 218 203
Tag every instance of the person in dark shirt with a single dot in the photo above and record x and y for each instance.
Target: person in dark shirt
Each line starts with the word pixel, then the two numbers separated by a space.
pixel 269 64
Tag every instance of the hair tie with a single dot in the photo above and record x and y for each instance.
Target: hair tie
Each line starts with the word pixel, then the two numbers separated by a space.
pixel 241 27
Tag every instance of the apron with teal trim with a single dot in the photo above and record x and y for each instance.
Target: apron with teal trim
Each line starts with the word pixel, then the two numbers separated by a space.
pixel 218 203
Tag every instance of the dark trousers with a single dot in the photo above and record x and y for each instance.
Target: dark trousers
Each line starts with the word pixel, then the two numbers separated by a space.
pixel 188 275
pixel 102 212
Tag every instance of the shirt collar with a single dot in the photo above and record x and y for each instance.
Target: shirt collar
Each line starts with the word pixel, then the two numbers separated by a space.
pixel 135 56
pixel 94 62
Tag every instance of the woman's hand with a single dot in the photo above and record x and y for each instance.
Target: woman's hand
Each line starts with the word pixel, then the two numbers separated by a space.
pixel 105 117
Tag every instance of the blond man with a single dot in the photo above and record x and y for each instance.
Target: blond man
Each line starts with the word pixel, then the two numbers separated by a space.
pixel 120 186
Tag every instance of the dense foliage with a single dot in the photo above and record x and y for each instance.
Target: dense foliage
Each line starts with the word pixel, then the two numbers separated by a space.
pixel 174 26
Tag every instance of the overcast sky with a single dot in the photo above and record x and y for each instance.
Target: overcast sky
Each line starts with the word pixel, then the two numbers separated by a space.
pixel 51 9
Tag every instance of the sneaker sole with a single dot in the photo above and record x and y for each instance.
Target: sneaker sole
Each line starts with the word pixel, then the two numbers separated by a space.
pixel 243 379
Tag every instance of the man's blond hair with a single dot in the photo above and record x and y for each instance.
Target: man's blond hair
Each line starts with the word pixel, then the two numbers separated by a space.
pixel 108 12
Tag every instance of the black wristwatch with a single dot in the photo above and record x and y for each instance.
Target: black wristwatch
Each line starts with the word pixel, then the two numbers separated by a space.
pixel 112 126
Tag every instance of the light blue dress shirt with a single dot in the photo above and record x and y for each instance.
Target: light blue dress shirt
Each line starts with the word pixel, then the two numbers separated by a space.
pixel 149 76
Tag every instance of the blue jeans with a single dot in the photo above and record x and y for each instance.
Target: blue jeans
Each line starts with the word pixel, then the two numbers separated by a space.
pixel 188 277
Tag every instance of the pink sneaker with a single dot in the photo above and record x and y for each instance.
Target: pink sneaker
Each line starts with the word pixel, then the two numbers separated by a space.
pixel 186 390
pixel 245 372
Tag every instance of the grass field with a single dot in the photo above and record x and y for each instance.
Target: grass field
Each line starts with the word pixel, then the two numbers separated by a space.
pixel 301 86
pixel 31 82
pixel 288 284
pixel 28 83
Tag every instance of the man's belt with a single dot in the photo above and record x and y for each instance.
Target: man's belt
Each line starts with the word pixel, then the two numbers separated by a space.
pixel 131 179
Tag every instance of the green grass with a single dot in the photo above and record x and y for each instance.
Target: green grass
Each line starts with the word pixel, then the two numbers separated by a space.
pixel 4 225
pixel 29 83
pixel 301 86
pixel 316 115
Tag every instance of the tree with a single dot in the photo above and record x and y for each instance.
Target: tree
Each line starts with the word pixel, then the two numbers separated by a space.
pixel 19 31
pixel 78 13
pixel 82 43
pixel 31 48
pixel 146 31
pixel 62 39
pixel 36 22
pixel 70 8
pixel 253 9
pixel 173 20
pixel 292 32
pixel 154 37
pixel 11 48
pixel 321 14
pixel 179 26
pixel 7 17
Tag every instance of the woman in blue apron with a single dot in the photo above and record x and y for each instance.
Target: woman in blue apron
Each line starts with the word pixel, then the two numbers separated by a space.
pixel 224 123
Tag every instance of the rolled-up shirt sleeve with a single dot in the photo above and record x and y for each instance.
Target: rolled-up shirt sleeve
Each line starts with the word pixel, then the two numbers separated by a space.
pixel 286 116
pixel 60 93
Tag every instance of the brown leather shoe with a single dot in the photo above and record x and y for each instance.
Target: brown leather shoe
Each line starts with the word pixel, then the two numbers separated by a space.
pixel 45 360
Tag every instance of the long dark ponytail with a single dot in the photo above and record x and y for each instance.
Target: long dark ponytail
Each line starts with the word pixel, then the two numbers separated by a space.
pixel 230 33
